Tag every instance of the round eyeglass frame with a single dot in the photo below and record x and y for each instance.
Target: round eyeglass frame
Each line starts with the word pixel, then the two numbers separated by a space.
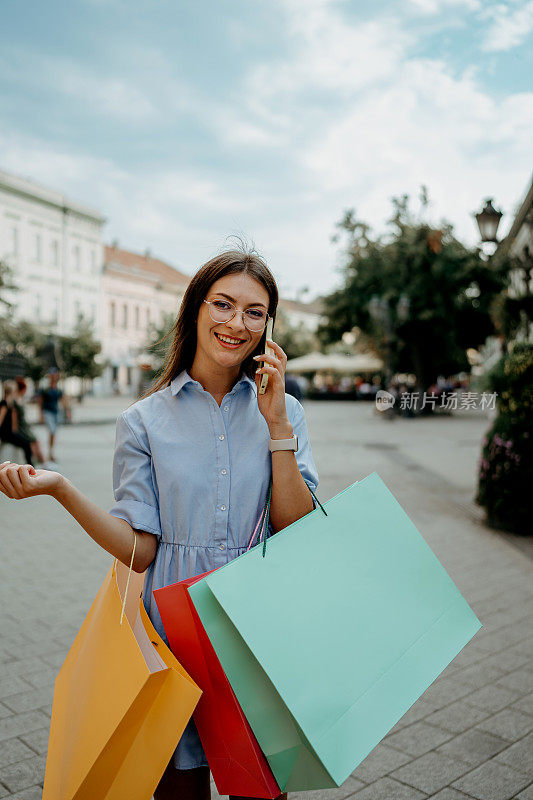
pixel 235 310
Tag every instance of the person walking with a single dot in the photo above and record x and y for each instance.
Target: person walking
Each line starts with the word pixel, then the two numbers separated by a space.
pixel 9 422
pixel 49 399
pixel 24 428
pixel 195 455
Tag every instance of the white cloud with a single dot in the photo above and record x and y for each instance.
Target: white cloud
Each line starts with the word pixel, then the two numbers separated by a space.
pixel 510 27
pixel 432 7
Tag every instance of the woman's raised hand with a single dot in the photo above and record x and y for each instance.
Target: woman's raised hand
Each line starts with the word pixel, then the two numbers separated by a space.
pixel 272 402
pixel 18 481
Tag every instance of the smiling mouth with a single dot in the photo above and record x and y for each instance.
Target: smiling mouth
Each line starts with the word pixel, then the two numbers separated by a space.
pixel 228 341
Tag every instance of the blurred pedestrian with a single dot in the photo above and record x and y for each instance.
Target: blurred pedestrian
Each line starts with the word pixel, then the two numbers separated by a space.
pixel 24 428
pixel 49 399
pixel 293 387
pixel 9 422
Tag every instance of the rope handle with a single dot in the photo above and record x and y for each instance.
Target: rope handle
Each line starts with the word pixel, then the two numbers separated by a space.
pixel 265 518
pixel 129 576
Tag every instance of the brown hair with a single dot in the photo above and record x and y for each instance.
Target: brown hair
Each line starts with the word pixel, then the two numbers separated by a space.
pixel 183 349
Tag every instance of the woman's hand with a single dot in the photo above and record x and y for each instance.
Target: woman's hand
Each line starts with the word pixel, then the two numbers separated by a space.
pixel 272 402
pixel 18 481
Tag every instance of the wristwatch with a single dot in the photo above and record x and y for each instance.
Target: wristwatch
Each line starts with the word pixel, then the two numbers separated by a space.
pixel 283 444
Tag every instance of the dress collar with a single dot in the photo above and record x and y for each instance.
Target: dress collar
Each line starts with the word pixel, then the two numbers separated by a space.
pixel 183 378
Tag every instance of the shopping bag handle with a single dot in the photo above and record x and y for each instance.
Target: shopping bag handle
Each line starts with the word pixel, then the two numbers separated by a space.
pixel 129 576
pixel 264 519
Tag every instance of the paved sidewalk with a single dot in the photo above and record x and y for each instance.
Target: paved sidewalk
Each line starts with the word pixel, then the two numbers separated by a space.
pixel 469 736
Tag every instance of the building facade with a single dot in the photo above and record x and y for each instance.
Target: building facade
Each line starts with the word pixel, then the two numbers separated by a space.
pixel 140 293
pixel 55 249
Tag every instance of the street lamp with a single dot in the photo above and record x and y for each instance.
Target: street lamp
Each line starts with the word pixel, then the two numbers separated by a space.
pixel 488 220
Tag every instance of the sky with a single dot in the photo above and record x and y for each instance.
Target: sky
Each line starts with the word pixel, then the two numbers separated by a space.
pixel 185 123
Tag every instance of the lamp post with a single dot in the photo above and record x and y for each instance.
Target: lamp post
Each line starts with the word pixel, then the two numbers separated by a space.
pixel 488 220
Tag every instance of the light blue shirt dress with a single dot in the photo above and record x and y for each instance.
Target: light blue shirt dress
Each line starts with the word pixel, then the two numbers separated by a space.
pixel 196 475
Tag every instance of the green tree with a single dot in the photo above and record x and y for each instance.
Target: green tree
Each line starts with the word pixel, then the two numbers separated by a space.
pixel 434 293
pixel 77 353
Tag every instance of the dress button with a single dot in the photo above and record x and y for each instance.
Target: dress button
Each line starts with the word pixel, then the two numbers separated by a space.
pixel 222 508
pixel 226 408
pixel 221 437
pixel 222 546
pixel 224 471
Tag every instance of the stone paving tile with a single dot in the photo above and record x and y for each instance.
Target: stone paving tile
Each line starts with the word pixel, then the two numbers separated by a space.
pixel 13 750
pixel 450 794
pixel 509 724
pixel 507 660
pixel 378 763
pixel 470 654
pixel 521 680
pixel 474 746
pixel 348 789
pixel 29 700
pixel 492 698
pixel 44 678
pixel 523 647
pixel 23 667
pixel 457 717
pixel 446 691
pixel 526 794
pixel 37 740
pixel 4 791
pixel 418 738
pixel 431 772
pixel 519 756
pixel 24 774
pixel 12 684
pixel 18 724
pixel 4 711
pixel 389 789
pixel 525 704
pixel 31 793
pixel 478 675
pixel 492 781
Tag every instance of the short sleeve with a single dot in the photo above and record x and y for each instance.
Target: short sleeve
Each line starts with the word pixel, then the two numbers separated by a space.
pixel 304 457
pixel 133 484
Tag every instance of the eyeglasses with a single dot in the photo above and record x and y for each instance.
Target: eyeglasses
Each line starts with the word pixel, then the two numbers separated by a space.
pixel 255 319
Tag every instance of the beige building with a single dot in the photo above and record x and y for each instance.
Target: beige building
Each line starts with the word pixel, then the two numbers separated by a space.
pixel 138 291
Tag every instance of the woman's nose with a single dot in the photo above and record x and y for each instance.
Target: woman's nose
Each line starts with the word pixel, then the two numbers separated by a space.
pixel 237 323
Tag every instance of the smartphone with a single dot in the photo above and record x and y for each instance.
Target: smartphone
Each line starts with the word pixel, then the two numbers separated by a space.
pixel 268 350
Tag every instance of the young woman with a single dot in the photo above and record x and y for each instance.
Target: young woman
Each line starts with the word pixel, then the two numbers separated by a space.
pixel 193 457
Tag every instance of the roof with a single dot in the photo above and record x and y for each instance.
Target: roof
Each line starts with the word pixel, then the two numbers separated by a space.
pixel 24 187
pixel 305 308
pixel 520 217
pixel 143 266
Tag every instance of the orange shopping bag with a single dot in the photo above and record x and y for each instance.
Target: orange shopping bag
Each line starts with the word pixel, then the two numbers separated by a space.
pixel 121 702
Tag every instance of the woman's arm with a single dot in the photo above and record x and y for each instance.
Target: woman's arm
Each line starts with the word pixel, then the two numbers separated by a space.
pixel 14 419
pixel 291 498
pixel 113 534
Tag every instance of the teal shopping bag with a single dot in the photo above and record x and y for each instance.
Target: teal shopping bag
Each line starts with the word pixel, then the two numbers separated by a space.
pixel 332 636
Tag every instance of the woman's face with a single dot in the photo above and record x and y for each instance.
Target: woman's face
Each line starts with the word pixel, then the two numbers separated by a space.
pixel 244 292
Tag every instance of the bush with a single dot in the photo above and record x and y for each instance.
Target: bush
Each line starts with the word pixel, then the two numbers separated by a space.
pixel 506 464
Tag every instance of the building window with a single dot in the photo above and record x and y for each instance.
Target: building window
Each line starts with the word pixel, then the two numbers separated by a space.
pixel 38 247
pixel 55 314
pixel 14 241
pixel 54 253
pixel 93 262
pixel 147 318
pixel 76 257
pixel 137 317
pixel 38 306
pixel 112 315
pixel 77 310
pixel 93 313
pixel 124 316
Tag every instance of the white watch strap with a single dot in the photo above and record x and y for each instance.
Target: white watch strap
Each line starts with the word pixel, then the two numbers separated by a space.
pixel 284 444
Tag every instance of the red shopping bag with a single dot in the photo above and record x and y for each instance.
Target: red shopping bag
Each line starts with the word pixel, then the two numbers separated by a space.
pixel 235 758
